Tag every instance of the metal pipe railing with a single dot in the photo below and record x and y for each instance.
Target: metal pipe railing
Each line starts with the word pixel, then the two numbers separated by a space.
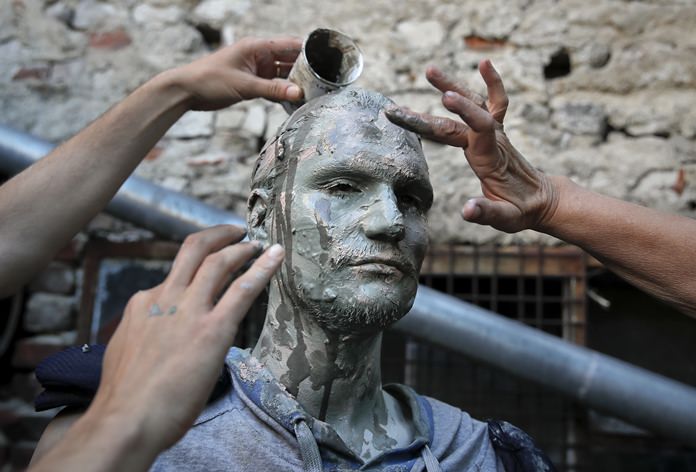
pixel 641 397
pixel 167 213
pixel 636 395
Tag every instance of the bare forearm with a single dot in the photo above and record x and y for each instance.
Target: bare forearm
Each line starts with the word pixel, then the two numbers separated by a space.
pixel 43 207
pixel 653 250
pixel 101 443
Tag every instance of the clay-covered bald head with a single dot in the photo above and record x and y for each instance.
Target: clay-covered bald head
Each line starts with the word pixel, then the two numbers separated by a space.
pixel 346 192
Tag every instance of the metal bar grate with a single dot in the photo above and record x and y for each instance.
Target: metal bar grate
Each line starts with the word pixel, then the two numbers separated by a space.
pixel 539 286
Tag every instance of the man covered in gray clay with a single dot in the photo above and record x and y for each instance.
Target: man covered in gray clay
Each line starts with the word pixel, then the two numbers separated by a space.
pixel 346 193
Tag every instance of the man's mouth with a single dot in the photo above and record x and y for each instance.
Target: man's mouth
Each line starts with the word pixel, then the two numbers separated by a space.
pixel 382 265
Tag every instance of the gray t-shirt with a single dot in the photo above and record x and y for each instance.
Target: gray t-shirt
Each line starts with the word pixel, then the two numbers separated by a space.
pixel 258 426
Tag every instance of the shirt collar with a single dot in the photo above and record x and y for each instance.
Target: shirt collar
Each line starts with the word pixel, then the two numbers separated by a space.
pixel 254 383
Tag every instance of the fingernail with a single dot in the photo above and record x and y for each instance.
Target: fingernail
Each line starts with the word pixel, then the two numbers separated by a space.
pixel 433 70
pixel 276 251
pixel 450 94
pixel 392 111
pixel 293 92
pixel 475 210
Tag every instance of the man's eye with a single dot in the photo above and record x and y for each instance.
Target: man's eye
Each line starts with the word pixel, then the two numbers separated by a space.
pixel 341 188
pixel 410 201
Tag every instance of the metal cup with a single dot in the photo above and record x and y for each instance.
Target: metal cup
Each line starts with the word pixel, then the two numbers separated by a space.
pixel 329 60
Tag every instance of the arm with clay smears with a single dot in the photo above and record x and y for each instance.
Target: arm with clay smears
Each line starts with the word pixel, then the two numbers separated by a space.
pixel 653 250
pixel 43 207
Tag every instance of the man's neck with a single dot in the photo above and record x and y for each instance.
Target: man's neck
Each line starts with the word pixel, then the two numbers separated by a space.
pixel 336 379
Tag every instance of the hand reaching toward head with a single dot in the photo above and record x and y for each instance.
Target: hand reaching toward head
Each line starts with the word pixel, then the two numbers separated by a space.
pixel 169 348
pixel 163 360
pixel 516 195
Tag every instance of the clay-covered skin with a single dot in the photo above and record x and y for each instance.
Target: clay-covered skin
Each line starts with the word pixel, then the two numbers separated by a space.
pixel 350 208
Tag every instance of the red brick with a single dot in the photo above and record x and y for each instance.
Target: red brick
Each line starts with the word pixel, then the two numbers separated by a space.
pixel 25 386
pixel 154 153
pixel 27 73
pixel 21 423
pixel 30 351
pixel 9 413
pixel 116 39
pixel 480 43
pixel 71 252
pixel 680 183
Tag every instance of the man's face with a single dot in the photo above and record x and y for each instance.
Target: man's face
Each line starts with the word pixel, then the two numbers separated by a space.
pixel 357 221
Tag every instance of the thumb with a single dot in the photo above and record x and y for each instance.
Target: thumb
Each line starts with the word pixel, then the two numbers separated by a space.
pixel 277 90
pixel 500 215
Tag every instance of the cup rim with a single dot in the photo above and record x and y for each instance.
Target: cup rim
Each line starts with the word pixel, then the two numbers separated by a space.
pixel 359 67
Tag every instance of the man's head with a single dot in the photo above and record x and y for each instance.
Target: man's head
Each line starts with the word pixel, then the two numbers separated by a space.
pixel 346 193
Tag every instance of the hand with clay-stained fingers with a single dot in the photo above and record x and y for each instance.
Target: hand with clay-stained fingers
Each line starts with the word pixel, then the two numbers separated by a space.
pixel 249 68
pixel 516 195
pixel 163 360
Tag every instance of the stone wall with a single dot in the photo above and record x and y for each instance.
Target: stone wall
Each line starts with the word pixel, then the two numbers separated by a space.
pixel 601 90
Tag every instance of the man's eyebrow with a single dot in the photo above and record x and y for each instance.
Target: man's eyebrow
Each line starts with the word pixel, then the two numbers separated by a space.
pixel 367 169
pixel 332 167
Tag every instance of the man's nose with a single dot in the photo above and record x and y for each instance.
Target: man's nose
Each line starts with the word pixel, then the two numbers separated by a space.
pixel 383 219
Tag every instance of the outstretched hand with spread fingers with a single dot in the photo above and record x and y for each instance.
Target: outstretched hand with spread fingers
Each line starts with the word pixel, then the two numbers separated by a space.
pixel 516 195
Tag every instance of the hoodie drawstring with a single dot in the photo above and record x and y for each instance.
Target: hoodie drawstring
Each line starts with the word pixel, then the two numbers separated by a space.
pixel 311 458
pixel 308 447
pixel 431 463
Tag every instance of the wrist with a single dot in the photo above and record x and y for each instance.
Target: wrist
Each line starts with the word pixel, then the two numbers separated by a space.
pixel 557 190
pixel 120 435
pixel 170 88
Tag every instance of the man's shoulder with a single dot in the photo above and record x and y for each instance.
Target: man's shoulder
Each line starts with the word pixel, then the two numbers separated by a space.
pixel 515 449
pixel 458 436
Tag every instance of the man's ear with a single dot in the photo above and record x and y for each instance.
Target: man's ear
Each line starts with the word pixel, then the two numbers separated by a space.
pixel 257 215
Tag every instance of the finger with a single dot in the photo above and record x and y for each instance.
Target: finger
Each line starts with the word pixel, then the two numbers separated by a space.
pixel 236 301
pixel 483 211
pixel 217 268
pixel 444 83
pixel 482 149
pixel 436 128
pixel 497 97
pixel 479 120
pixel 277 90
pixel 265 54
pixel 282 69
pixel 284 48
pixel 196 247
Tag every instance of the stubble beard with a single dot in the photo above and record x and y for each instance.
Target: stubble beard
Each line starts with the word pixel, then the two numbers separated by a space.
pixel 344 315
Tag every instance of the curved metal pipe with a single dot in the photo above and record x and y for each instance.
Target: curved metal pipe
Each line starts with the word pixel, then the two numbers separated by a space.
pixel 636 395
pixel 165 212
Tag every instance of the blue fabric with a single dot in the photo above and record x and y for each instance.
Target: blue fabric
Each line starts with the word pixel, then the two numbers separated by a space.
pixel 249 430
pixel 70 378
pixel 517 449
pixel 248 425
